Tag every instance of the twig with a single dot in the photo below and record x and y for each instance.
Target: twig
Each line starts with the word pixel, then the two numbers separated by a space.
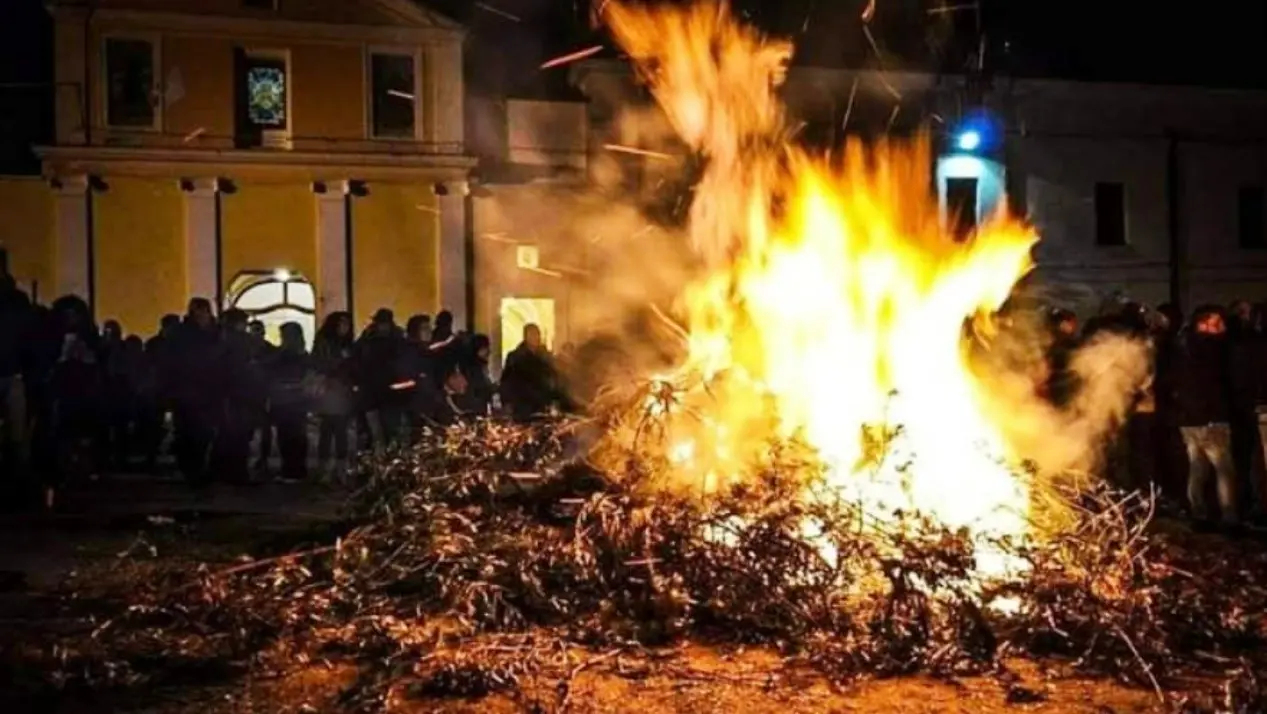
pixel 565 686
pixel 1148 670
pixel 269 561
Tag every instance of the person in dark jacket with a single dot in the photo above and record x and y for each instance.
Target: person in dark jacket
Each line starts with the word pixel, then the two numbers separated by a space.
pixel 1247 355
pixel 480 387
pixel 289 402
pixel 79 404
pixel 375 354
pixel 156 399
pixel 529 384
pixel 242 384
pixel 417 383
pixel 1203 410
pixel 262 352
pixel 196 394
pixel 332 359
pixel 452 403
pixel 17 323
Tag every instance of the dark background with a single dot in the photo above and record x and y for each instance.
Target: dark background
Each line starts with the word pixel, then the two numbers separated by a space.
pixel 1219 43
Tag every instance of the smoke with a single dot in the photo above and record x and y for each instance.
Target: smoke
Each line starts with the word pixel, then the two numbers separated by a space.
pixel 617 256
pixel 1109 373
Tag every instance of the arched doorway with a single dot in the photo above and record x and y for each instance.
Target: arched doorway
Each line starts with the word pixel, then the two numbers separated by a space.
pixel 275 297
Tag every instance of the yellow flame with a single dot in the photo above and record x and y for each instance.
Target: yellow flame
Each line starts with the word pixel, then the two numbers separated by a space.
pixel 834 300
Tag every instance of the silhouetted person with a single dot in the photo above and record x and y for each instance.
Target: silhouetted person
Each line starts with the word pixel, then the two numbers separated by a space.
pixel 242 384
pixel 78 391
pixel 1247 359
pixel 17 322
pixel 375 354
pixel 263 426
pixel 452 405
pixel 156 398
pixel 480 387
pixel 332 359
pixel 196 392
pixel 1204 413
pixel 289 402
pixel 529 384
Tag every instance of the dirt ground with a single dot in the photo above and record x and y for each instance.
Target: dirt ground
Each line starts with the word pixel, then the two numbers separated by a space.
pixel 100 559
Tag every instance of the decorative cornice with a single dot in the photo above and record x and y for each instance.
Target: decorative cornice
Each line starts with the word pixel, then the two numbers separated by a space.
pixel 220 162
pixel 249 29
pixel 71 184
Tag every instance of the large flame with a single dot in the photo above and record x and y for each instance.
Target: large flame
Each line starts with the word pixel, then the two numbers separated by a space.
pixel 834 303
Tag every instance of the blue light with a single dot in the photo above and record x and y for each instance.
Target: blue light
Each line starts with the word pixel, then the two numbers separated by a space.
pixel 969 140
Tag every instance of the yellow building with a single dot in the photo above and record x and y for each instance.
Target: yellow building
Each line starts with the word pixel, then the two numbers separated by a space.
pixel 208 147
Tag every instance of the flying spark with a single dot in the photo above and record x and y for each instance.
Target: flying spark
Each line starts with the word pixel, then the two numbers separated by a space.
pixel 620 148
pixel 497 11
pixel 579 55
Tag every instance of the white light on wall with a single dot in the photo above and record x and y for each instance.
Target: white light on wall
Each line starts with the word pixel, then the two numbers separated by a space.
pixel 969 141
pixel 281 275
pixel 961 167
pixel 527 257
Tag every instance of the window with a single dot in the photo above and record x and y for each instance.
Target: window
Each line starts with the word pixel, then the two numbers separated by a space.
pixel 1110 214
pixel 130 82
pixel 263 100
pixel 1251 224
pixel 394 95
pixel 275 298
pixel 961 206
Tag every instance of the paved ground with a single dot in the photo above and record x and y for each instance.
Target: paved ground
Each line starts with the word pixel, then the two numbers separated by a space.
pixel 38 550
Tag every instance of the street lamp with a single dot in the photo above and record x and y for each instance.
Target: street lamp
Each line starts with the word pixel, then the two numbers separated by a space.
pixel 969 140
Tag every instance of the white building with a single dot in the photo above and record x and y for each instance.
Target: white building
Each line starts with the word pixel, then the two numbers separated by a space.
pixel 1153 191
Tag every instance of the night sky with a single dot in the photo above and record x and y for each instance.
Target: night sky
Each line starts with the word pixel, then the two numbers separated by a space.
pixel 1158 42
pixel 1079 39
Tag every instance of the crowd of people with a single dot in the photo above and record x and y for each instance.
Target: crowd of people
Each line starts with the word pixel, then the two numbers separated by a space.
pixel 80 401
pixel 1199 427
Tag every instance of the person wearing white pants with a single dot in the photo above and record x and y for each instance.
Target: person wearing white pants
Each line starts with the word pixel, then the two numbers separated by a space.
pixel 1203 406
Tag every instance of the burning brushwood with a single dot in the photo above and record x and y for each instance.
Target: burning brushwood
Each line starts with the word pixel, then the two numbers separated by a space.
pixel 827 473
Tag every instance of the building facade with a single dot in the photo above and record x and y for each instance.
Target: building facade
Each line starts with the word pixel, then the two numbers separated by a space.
pixel 1154 192
pixel 291 157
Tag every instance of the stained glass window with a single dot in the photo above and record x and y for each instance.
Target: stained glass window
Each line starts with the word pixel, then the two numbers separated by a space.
pixel 393 100
pixel 130 83
pixel 266 93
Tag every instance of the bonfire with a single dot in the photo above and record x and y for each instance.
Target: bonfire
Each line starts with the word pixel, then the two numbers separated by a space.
pixel 830 473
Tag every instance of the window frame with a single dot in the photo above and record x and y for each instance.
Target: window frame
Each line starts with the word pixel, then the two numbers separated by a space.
pixel 157 91
pixel 963 226
pixel 1095 215
pixel 282 138
pixel 1260 243
pixel 416 55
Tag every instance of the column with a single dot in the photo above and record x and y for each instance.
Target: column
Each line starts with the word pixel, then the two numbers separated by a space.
pixel 333 265
pixel 74 262
pixel 453 246
pixel 445 61
pixel 202 242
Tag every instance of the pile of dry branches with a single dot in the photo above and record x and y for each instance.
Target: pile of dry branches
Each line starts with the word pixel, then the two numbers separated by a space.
pixel 481 558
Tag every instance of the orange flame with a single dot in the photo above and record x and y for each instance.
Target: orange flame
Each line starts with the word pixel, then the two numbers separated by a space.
pixel 834 299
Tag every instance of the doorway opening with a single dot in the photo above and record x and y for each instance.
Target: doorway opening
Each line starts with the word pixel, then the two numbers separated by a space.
pixel 516 313
pixel 275 297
